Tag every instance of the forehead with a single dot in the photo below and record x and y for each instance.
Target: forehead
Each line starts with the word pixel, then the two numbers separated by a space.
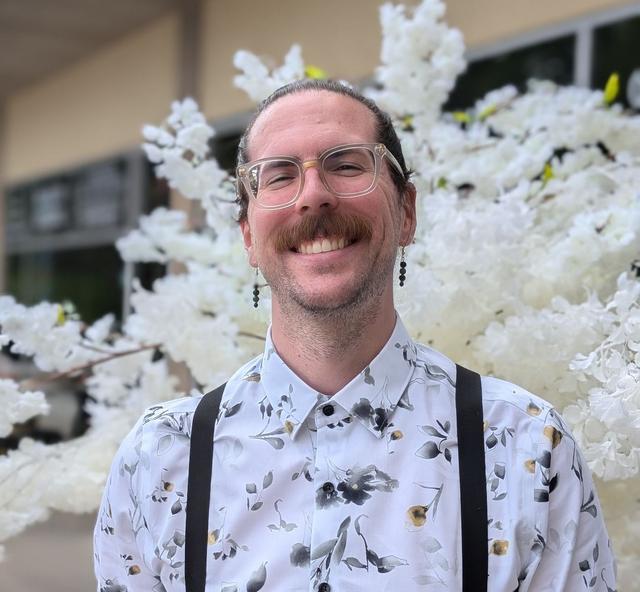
pixel 306 123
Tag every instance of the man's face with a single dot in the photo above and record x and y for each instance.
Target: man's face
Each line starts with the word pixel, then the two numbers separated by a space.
pixel 304 125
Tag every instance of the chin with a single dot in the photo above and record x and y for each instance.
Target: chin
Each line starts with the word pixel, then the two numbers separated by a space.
pixel 344 300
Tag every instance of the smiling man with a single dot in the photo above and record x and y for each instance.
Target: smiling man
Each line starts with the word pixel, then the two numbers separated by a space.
pixel 337 452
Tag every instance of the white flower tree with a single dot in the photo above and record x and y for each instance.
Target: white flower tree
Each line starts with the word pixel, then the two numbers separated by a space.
pixel 522 267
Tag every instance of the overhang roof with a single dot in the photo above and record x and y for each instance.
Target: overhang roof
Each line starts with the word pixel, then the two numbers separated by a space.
pixel 38 37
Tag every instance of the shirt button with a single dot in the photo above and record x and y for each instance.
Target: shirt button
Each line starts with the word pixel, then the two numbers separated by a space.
pixel 324 587
pixel 328 410
pixel 328 487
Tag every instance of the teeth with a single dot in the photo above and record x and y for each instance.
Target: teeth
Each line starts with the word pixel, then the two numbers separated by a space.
pixel 321 245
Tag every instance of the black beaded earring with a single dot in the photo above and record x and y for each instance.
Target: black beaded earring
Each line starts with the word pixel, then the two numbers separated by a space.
pixel 403 268
pixel 256 291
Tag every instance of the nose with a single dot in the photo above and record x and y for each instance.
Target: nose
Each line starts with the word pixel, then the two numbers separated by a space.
pixel 314 196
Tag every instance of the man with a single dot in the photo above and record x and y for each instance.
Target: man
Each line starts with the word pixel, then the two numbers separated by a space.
pixel 336 451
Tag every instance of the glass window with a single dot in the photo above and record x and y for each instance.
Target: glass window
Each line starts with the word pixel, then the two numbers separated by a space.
pixel 616 48
pixel 551 60
pixel 225 149
pixel 99 194
pixel 49 207
pixel 89 278
pixel 16 213
pixel 60 242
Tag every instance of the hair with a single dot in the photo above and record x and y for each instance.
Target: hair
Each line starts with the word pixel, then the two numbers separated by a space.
pixel 385 132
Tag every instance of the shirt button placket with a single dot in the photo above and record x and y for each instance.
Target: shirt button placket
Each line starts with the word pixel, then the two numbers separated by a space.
pixel 328 487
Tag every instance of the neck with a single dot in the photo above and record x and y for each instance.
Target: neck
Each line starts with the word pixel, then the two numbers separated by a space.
pixel 327 350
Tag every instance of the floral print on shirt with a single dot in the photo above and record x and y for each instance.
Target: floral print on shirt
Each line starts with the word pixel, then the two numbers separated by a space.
pixel 358 491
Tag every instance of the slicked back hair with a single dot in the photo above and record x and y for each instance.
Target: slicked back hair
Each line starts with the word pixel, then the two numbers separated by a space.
pixel 385 132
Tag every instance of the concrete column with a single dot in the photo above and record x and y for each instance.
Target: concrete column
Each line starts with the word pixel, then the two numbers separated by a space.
pixel 3 230
pixel 189 47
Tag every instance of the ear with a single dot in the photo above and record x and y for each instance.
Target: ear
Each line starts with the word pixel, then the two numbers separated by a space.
pixel 408 228
pixel 248 242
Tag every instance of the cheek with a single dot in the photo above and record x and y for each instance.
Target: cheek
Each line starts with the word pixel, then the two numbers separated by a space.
pixel 263 228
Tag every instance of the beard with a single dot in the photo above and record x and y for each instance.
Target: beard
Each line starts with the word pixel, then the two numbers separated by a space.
pixel 359 295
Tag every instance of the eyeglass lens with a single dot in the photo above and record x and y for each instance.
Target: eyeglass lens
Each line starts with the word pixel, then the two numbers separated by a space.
pixel 347 172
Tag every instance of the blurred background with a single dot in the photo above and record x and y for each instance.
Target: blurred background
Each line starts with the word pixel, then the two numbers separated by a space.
pixel 78 79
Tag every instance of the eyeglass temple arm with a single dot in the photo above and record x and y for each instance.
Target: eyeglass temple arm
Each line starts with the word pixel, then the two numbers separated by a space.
pixel 393 160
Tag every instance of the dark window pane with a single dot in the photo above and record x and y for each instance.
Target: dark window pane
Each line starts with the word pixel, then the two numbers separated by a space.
pixel 50 207
pixel 99 195
pixel 616 48
pixel 552 60
pixel 156 191
pixel 16 213
pixel 156 195
pixel 224 150
pixel 90 278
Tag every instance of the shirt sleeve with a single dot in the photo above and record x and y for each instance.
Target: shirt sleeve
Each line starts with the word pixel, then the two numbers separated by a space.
pixel 121 527
pixel 575 549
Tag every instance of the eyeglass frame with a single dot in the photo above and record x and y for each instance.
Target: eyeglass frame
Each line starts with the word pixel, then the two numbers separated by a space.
pixel 378 149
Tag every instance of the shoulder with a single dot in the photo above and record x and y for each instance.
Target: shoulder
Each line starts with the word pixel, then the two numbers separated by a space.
pixel 175 416
pixel 498 396
pixel 508 398
pixel 511 413
pixel 164 429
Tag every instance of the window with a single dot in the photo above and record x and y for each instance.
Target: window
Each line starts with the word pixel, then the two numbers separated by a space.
pixel 551 60
pixel 61 233
pixel 90 278
pixel 616 48
pixel 586 51
pixel 60 241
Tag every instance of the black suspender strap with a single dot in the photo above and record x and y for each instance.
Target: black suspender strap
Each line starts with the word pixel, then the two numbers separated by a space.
pixel 473 487
pixel 473 481
pixel 199 490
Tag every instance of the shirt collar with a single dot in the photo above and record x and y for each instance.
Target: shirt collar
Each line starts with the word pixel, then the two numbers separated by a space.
pixel 291 399
pixel 370 398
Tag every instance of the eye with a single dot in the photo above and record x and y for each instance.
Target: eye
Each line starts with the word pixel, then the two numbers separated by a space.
pixel 277 174
pixel 349 163
pixel 348 167
pixel 279 179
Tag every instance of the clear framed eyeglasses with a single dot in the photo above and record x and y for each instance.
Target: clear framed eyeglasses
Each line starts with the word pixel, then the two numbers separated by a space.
pixel 348 170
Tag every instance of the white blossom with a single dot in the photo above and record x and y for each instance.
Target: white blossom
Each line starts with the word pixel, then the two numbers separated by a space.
pixel 607 420
pixel 42 332
pixel 527 216
pixel 421 59
pixel 258 81
pixel 18 406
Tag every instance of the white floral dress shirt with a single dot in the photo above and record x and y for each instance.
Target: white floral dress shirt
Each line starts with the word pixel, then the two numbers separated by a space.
pixel 359 491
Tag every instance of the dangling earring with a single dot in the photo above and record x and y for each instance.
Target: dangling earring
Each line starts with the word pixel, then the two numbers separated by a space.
pixel 256 291
pixel 403 268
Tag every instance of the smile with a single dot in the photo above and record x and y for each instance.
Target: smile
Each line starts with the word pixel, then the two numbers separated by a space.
pixel 322 245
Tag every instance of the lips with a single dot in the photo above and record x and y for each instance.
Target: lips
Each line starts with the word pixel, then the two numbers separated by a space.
pixel 322 245
pixel 322 233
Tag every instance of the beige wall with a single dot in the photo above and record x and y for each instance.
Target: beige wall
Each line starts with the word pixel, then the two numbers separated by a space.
pixel 343 37
pixel 95 107
pixel 486 21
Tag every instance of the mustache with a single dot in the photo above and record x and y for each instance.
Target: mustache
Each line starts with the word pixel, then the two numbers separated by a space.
pixel 350 227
